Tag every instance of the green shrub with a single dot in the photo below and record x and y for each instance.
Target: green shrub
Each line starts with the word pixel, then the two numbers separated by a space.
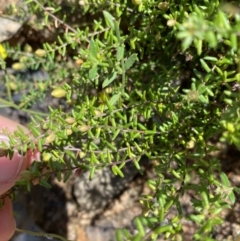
pixel 136 79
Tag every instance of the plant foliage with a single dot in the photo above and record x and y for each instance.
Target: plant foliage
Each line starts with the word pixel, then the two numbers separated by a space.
pixel 134 79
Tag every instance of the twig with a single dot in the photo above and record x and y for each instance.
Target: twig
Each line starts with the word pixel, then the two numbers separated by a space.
pixel 54 17
pixel 8 103
pixel 41 234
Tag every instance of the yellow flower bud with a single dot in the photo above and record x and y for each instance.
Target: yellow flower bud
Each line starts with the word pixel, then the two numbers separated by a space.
pixel 28 48
pixel 84 128
pixel 82 154
pixel 79 62
pixel 171 22
pixel 18 66
pixel 46 157
pixel 12 86
pixel 45 126
pixel 40 52
pixel 163 5
pixel 23 59
pixel 50 138
pixel 98 113
pixel 109 90
pixel 68 132
pixel 59 93
pixel 136 2
pixel 70 120
pixel 230 127
pixel 190 144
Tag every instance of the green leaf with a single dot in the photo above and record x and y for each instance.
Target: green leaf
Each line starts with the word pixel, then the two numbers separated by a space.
pixel 139 226
pixel 136 164
pixel 232 197
pixel 40 144
pixel 209 92
pixel 237 189
pixel 92 172
pixel 114 170
pixel 117 171
pixel 234 41
pixel 203 99
pixel 130 61
pixel 210 37
pixel 44 183
pixel 59 176
pixel 197 218
pixel 109 18
pixel 93 48
pixel 114 99
pixel 126 233
pixel 224 179
pixel 205 66
pixel 187 42
pixel 67 175
pixel 120 52
pixel 210 58
pixel 119 235
pixel 93 72
pixel 163 229
pixel 109 80
pixel 116 133
pixel 198 45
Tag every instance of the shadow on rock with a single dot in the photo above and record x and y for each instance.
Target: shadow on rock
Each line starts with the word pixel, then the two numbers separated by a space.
pixel 41 210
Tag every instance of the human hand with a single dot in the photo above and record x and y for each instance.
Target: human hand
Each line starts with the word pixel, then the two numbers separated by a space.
pixel 9 173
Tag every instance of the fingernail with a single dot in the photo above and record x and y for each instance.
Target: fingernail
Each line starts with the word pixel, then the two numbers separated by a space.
pixel 4 138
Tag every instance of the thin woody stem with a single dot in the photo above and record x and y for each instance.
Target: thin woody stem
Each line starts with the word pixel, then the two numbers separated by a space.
pixel 41 234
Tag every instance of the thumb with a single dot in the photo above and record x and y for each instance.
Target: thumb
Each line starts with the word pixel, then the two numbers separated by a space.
pixel 10 169
pixel 7 222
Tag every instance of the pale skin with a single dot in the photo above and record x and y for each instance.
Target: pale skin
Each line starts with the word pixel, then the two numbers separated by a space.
pixel 9 172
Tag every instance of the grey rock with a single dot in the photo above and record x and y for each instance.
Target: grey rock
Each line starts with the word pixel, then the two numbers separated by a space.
pixel 26 75
pixel 39 206
pixel 98 233
pixel 99 192
pixel 11 22
pixel 8 28
pixel 32 75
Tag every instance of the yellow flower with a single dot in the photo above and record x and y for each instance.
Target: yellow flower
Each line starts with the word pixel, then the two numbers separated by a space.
pixel 3 52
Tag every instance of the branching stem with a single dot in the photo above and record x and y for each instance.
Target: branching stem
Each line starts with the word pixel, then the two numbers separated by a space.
pixel 41 234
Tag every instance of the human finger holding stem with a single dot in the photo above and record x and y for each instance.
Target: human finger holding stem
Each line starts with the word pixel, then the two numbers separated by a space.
pixel 9 173
pixel 10 170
